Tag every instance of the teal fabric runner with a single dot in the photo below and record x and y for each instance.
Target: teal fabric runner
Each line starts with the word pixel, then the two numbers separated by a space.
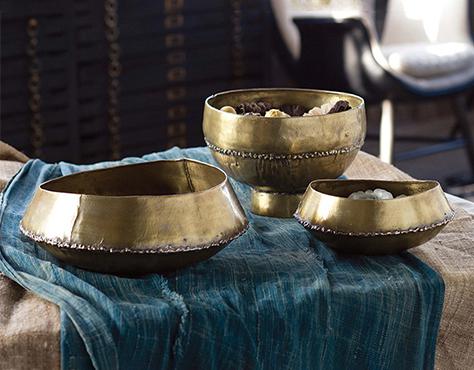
pixel 276 298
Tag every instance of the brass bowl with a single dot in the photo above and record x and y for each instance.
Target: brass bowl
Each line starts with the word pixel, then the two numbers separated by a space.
pixel 135 219
pixel 278 157
pixel 374 226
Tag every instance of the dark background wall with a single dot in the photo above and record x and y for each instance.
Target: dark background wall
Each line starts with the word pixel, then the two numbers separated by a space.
pixel 88 80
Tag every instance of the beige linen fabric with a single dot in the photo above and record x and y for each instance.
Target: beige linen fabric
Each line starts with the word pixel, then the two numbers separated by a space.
pixel 451 253
pixel 29 325
pixel 30 329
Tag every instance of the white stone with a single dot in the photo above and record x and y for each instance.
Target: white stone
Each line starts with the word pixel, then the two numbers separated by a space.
pixel 276 113
pixel 325 108
pixel 376 194
pixel 228 109
pixel 316 111
pixel 382 194
pixel 357 195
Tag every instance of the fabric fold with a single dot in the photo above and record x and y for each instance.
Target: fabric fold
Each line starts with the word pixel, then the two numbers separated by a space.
pixel 276 298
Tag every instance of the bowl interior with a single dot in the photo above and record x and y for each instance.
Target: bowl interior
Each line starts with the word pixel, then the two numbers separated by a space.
pixel 155 178
pixel 278 97
pixel 345 187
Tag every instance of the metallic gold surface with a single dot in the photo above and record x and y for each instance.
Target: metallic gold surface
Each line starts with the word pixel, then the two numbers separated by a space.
pixel 274 204
pixel 282 155
pixel 374 226
pixel 133 219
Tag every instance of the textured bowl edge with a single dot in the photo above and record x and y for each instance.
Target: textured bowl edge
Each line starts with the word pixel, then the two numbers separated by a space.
pixel 317 227
pixel 282 156
pixel 65 244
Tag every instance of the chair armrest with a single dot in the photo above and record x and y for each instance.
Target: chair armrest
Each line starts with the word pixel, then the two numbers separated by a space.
pixel 343 52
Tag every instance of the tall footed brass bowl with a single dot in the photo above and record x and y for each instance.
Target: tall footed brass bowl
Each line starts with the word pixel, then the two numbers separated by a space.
pixel 136 219
pixel 279 157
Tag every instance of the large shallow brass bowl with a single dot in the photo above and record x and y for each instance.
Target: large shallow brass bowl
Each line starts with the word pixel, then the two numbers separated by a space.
pixel 134 219
pixel 278 157
pixel 374 226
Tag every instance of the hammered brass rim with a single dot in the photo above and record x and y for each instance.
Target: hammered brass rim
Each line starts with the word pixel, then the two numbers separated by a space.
pixel 159 249
pixel 283 156
pixel 317 227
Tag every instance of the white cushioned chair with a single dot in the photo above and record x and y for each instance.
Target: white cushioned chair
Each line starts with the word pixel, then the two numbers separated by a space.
pixel 384 50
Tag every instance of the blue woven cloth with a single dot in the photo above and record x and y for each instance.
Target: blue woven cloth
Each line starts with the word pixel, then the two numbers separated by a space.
pixel 276 298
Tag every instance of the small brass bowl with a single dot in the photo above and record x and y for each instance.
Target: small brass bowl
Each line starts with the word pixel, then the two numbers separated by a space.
pixel 278 157
pixel 135 219
pixel 374 226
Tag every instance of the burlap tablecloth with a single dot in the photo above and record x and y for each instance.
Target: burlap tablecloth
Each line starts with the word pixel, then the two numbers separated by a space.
pixel 30 328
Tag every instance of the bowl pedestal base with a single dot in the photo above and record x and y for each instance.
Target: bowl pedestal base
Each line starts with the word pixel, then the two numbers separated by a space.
pixel 270 204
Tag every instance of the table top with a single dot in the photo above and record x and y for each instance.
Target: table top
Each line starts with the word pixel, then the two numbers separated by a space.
pixel 25 317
